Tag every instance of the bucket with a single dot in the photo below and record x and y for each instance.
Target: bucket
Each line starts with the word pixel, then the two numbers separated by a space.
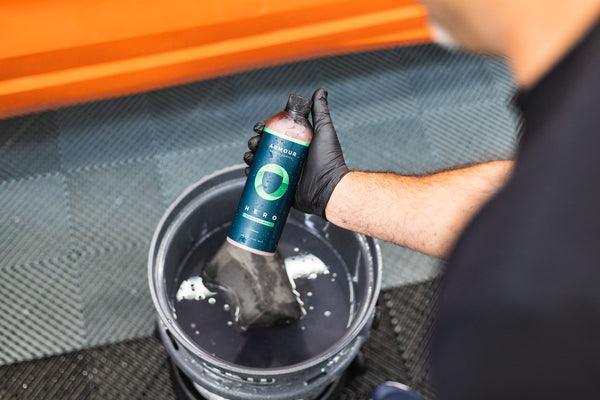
pixel 207 207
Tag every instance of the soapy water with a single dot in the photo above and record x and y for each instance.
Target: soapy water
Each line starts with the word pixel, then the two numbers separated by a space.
pixel 320 277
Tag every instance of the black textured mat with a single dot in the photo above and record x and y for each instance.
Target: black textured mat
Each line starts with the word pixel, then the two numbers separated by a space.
pixel 411 310
pixel 139 369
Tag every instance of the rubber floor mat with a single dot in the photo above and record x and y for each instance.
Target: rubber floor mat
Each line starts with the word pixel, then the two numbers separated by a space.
pixel 82 188
pixel 139 369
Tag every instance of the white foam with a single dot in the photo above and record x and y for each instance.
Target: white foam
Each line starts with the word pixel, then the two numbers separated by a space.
pixel 306 266
pixel 193 289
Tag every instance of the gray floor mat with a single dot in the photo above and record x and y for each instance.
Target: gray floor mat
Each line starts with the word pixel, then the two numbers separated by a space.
pixel 82 188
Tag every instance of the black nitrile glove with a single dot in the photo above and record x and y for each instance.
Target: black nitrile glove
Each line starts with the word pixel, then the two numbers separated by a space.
pixel 324 166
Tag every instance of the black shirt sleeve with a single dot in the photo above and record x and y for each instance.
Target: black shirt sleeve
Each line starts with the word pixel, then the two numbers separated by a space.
pixel 519 312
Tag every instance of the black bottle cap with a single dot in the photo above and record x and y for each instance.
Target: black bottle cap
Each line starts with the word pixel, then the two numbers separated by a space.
pixel 299 104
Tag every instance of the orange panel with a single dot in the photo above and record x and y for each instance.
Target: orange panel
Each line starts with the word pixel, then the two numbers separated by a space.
pixel 60 52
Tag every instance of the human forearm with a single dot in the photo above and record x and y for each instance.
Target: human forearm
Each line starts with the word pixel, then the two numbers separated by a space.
pixel 425 213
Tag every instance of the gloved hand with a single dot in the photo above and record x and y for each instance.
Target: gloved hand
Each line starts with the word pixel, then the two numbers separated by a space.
pixel 324 166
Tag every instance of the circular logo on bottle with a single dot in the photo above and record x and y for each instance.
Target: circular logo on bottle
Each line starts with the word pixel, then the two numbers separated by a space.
pixel 278 170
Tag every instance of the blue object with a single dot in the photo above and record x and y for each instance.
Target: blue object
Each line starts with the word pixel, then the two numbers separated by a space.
pixel 393 391
pixel 269 191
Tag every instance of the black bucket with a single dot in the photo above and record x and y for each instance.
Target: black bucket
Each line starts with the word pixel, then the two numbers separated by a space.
pixel 209 205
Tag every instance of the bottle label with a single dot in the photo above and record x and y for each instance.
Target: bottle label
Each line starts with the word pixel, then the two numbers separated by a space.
pixel 269 191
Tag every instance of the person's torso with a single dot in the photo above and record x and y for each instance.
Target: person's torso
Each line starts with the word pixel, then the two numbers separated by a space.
pixel 529 262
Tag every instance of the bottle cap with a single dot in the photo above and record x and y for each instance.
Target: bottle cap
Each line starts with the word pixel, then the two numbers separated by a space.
pixel 299 104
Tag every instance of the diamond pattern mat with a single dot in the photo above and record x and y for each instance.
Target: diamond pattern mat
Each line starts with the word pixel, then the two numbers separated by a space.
pixel 82 188
pixel 411 309
pixel 139 369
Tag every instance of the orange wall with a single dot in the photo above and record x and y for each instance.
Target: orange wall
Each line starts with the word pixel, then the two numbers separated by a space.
pixel 60 52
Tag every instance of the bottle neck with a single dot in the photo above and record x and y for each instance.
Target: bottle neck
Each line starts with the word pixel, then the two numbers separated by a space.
pixel 295 112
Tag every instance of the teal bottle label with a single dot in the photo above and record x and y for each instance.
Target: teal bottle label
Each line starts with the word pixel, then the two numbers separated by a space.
pixel 269 191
